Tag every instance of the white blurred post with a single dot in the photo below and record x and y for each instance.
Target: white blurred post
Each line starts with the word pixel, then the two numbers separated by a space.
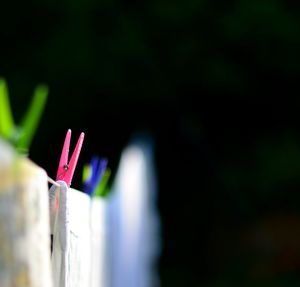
pixel 134 222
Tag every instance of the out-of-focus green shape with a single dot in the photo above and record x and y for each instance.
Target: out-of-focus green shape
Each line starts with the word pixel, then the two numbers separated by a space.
pixel 86 173
pixel 31 119
pixel 6 119
pixel 21 136
pixel 102 189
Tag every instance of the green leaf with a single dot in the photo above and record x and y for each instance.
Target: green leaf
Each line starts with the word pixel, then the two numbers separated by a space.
pixel 6 119
pixel 30 121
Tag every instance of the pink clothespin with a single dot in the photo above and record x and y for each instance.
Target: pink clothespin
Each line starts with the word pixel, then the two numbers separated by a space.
pixel 66 170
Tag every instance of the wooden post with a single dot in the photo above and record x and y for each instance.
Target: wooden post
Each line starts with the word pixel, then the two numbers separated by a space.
pixel 24 222
pixel 70 217
pixel 99 236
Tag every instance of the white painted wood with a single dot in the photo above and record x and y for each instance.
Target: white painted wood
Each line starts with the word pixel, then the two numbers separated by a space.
pixel 99 238
pixel 70 226
pixel 24 222
pixel 134 242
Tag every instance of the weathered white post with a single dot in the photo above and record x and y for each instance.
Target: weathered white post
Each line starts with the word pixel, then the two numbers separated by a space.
pixel 24 222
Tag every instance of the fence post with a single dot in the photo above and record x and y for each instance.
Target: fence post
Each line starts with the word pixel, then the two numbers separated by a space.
pixel 24 222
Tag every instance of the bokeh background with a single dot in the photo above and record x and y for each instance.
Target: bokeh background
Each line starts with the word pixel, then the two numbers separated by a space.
pixel 216 83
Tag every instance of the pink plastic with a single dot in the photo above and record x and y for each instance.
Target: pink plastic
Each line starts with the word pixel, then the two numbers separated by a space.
pixel 66 170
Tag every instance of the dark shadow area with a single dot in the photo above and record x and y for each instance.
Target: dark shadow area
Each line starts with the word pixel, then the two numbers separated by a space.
pixel 215 83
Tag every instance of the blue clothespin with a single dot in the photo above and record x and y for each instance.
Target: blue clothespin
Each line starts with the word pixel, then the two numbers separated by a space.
pixel 96 171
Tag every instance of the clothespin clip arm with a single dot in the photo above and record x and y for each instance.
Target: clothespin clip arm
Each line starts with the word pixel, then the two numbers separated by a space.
pixel 21 136
pixel 66 169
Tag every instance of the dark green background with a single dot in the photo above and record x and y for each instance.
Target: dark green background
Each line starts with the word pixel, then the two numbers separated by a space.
pixel 215 83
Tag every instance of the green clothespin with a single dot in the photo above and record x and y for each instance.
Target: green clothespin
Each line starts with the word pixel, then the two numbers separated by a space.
pixel 95 176
pixel 7 125
pixel 21 136
pixel 86 173
pixel 102 189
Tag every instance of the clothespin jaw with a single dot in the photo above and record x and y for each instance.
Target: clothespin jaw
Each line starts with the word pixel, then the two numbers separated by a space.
pixel 21 136
pixel 32 117
pixel 93 175
pixel 66 169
